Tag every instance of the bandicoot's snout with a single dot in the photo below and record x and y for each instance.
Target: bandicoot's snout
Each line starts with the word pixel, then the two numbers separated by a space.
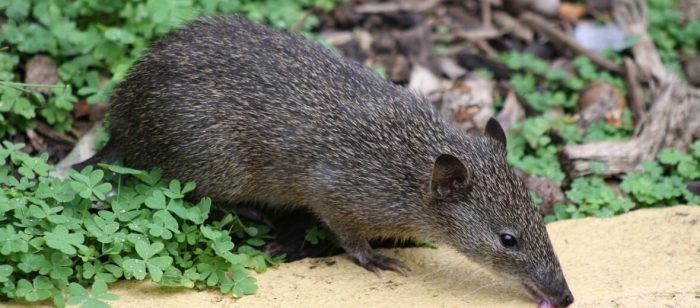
pixel 563 299
pixel 559 292
pixel 556 295
pixel 566 299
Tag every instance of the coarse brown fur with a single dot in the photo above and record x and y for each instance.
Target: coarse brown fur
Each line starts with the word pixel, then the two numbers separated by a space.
pixel 256 115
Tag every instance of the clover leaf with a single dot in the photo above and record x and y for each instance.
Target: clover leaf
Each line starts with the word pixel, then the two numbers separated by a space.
pixel 77 294
pixel 87 184
pixel 155 265
pixel 239 284
pixel 103 229
pixel 11 241
pixel 63 240
pixel 40 288
pixel 105 272
pixel 5 272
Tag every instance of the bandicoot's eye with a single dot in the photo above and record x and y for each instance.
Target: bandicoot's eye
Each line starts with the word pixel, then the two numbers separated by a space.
pixel 508 241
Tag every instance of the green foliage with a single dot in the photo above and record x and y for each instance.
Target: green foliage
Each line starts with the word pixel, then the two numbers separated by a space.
pixel 531 149
pixel 530 146
pixel 380 71
pixel 316 234
pixel 602 130
pixel 555 88
pixel 95 42
pixel 544 87
pixel 664 182
pixel 590 196
pixel 443 38
pixel 94 299
pixel 98 226
pixel 670 34
pixel 661 183
pixel 588 72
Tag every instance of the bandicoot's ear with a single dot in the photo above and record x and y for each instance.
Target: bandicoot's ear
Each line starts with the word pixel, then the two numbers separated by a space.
pixel 495 131
pixel 449 176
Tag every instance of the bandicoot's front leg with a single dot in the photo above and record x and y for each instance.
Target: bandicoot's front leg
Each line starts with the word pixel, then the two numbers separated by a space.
pixel 362 253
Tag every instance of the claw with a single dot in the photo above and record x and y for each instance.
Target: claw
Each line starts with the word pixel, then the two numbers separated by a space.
pixel 377 262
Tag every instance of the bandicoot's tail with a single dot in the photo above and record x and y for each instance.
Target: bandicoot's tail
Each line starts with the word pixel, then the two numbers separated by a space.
pixel 105 155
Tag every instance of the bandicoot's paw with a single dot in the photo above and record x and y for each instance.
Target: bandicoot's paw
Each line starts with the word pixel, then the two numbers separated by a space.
pixel 376 262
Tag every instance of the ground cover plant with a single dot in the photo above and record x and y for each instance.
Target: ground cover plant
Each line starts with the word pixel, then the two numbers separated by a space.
pixel 101 225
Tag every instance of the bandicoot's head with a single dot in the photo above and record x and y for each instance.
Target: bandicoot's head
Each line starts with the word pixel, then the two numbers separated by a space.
pixel 485 212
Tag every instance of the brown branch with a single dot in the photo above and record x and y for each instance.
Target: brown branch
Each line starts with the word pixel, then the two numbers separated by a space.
pixel 416 6
pixel 634 90
pixel 477 34
pixel 558 37
pixel 486 13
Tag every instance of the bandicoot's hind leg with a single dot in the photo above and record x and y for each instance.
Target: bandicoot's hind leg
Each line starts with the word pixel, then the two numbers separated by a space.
pixel 290 237
pixel 253 213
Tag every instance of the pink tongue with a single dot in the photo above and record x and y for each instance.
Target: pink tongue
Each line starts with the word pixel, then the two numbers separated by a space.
pixel 545 303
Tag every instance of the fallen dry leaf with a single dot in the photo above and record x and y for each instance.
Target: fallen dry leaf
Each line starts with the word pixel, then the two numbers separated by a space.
pixel 36 140
pixel 601 101
pixel 546 189
pixel 468 101
pixel 511 113
pixel 571 12
pixel 423 80
pixel 41 70
pixel 82 109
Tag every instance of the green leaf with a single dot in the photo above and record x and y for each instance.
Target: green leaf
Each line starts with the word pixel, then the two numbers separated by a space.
pixel 695 147
pixel 60 266
pixel 135 267
pixel 94 303
pixel 11 241
pixel 33 263
pixel 76 294
pixel 156 200
pixel 99 291
pixel 64 241
pixel 5 272
pixel 670 156
pixel 87 184
pixel 689 168
pixel 254 242
pixel 240 284
pixel 101 190
pixel 157 265
pixel 146 251
pixel 39 289
pixel 15 9
pixel 105 272
pixel 120 169
pixel 104 230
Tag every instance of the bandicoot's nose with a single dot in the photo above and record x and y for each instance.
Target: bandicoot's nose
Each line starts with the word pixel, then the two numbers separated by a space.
pixel 565 299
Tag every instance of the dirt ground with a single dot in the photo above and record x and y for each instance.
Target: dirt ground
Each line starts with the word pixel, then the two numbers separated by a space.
pixel 647 258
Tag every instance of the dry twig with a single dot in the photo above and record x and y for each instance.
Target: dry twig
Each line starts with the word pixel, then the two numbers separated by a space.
pixel 486 13
pixel 416 6
pixel 634 90
pixel 558 37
